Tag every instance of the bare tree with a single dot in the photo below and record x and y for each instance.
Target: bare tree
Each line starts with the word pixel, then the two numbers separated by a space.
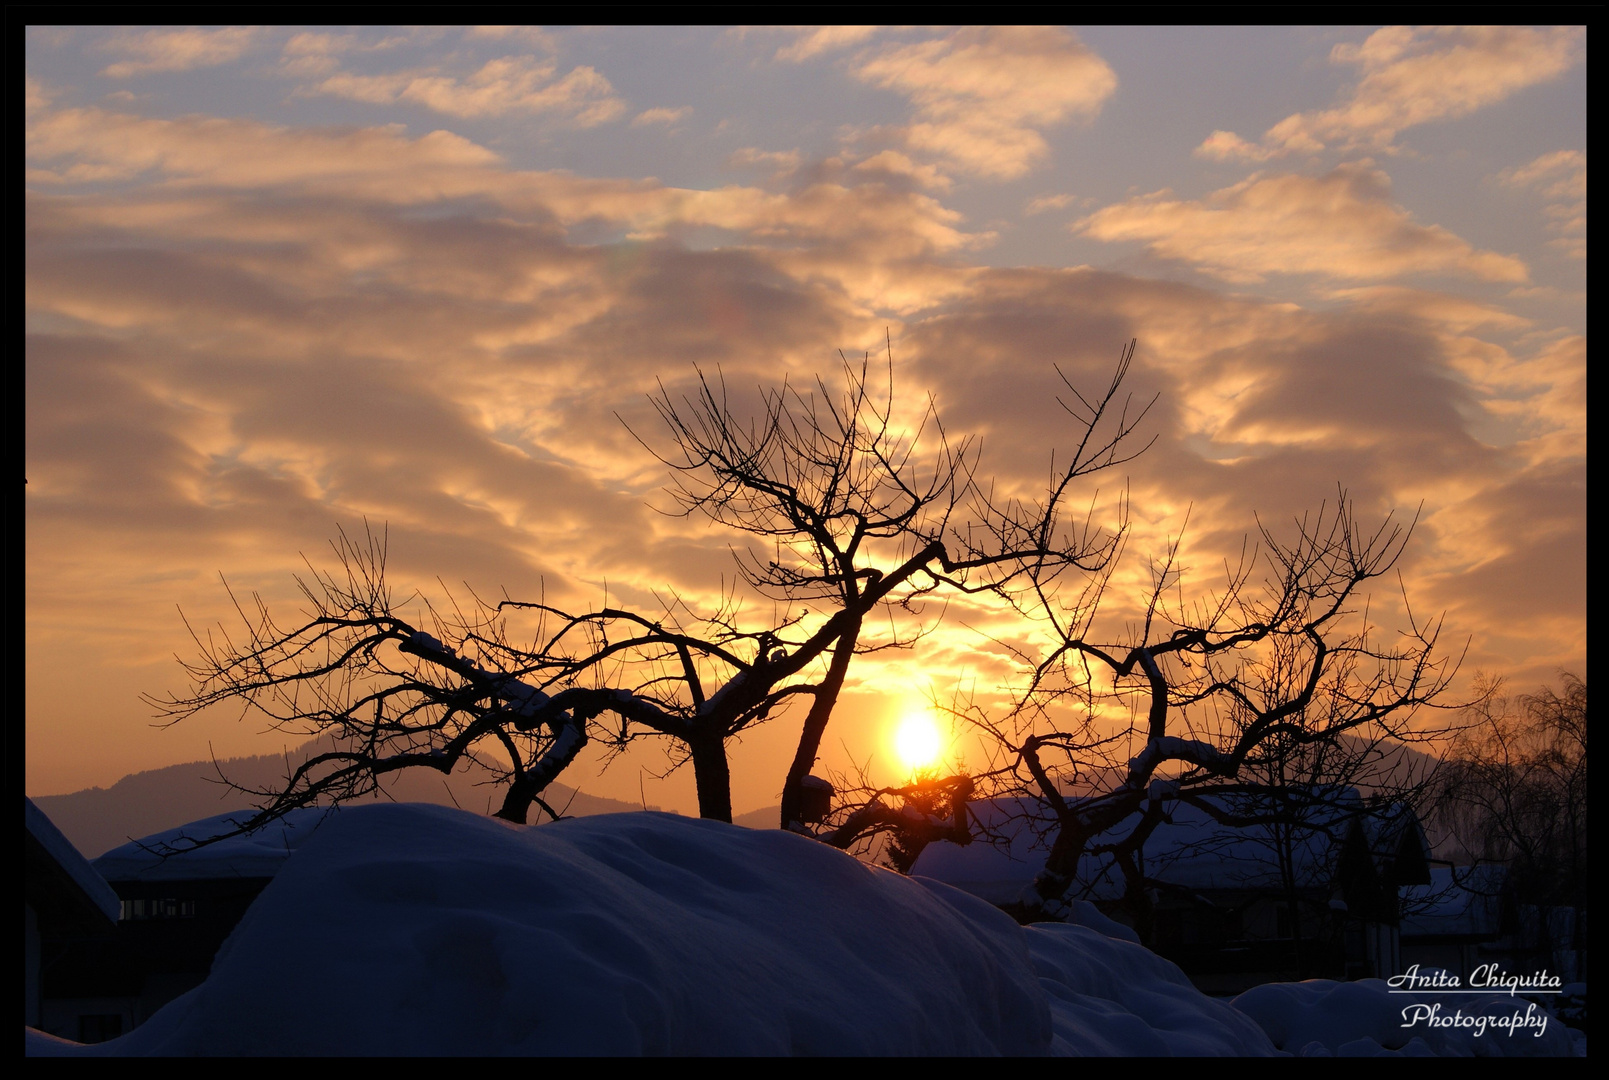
pixel 857 525
pixel 860 515
pixel 1237 694
pixel 892 824
pixel 1514 791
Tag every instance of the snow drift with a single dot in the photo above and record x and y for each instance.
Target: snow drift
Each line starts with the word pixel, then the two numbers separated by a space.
pixel 413 929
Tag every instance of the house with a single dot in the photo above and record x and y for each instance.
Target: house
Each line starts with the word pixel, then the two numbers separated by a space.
pixel 1462 918
pixel 168 918
pixel 1470 917
pixel 1312 893
pixel 65 900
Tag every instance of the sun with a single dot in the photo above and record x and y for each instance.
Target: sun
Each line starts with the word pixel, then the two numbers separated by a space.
pixel 917 740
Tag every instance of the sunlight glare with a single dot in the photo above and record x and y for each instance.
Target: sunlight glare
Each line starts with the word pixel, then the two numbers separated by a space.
pixel 917 740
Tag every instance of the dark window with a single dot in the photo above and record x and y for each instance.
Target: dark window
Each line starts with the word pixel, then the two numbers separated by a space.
pixel 98 1027
pixel 164 908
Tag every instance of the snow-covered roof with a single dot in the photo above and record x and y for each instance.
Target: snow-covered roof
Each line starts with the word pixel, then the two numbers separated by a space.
pixel 1190 849
pixel 999 871
pixel 1395 834
pixel 74 868
pixel 1459 901
pixel 255 855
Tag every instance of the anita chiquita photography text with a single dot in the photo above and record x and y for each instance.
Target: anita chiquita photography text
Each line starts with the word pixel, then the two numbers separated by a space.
pixel 843 540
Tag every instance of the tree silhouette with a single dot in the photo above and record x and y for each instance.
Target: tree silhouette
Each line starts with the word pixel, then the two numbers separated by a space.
pixel 1237 694
pixel 860 515
pixel 1514 791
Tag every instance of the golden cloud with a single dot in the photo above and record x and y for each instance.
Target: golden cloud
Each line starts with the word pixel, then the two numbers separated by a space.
pixel 779 162
pixel 505 85
pixel 874 227
pixel 1562 178
pixel 895 164
pixel 982 95
pixel 661 115
pixel 1414 76
pixel 810 41
pixel 1042 203
pixel 1340 225
pixel 177 50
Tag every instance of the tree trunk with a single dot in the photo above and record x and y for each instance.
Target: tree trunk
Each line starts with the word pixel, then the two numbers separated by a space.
pixel 516 804
pixel 529 783
pixel 1061 865
pixel 815 725
pixel 712 776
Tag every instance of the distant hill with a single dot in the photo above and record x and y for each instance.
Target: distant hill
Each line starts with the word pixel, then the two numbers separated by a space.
pixel 764 818
pixel 99 819
pixel 1392 766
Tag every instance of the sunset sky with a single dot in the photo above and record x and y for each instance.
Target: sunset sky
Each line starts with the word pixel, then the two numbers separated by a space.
pixel 281 281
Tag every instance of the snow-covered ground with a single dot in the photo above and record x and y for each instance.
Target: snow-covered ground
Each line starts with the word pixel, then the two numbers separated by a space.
pixel 413 929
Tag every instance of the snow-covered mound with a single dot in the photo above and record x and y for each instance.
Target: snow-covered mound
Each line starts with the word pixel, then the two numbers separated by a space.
pixel 1112 996
pixel 412 929
pixel 1320 1018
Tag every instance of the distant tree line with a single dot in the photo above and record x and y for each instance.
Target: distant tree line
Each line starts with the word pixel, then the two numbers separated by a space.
pixel 1513 790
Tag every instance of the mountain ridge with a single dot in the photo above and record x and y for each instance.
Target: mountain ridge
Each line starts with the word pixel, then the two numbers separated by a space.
pixel 97 819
